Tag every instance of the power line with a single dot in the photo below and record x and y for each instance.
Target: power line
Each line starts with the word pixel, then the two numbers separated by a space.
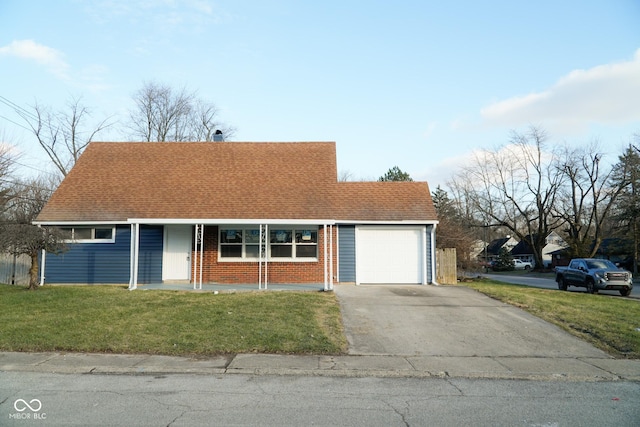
pixel 17 108
pixel 15 123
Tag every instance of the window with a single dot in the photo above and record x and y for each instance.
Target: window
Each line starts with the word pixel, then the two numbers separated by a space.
pixel 284 243
pixel 90 234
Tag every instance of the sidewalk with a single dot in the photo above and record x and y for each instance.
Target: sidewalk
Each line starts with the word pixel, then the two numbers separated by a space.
pixel 531 368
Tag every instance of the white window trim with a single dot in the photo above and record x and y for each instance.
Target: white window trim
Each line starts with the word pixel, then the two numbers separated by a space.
pixel 93 232
pixel 270 258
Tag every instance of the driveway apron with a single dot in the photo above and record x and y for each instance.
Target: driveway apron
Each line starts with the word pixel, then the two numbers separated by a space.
pixel 414 320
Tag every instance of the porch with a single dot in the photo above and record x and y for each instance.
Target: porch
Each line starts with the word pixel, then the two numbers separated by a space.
pixel 230 288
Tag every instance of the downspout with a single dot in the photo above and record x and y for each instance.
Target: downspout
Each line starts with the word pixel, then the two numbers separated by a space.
pixel 134 248
pixel 131 249
pixel 42 264
pixel 425 279
pixel 433 255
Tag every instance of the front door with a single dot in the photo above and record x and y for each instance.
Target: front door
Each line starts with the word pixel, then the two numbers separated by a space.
pixel 176 255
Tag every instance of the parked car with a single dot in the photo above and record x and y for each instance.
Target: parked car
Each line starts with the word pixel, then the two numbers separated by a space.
pixel 595 275
pixel 518 264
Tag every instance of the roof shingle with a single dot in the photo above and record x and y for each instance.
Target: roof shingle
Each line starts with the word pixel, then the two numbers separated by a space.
pixel 225 180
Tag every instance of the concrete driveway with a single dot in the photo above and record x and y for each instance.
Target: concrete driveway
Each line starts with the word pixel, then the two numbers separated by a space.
pixel 411 320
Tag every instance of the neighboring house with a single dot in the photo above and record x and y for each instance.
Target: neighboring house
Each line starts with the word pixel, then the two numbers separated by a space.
pixel 235 213
pixel 618 251
pixel 553 243
pixel 615 249
pixel 493 249
pixel 476 250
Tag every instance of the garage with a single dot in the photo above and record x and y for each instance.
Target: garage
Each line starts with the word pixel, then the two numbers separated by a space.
pixel 390 254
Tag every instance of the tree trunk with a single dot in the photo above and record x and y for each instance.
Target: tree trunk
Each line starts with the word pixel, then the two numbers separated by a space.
pixel 33 271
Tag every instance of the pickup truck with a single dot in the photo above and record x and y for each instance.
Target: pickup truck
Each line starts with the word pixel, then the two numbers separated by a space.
pixel 521 265
pixel 595 275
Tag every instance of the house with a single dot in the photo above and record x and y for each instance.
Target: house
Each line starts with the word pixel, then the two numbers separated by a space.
pixel 553 243
pixel 493 248
pixel 234 213
pixel 615 249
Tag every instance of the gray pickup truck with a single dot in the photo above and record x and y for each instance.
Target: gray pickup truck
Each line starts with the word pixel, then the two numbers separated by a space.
pixel 595 275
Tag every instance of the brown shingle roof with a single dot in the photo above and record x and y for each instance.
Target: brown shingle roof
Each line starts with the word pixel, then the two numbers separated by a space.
pixel 224 180
pixel 384 201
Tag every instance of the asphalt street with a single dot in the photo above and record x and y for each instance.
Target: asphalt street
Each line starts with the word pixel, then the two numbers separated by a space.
pixel 45 399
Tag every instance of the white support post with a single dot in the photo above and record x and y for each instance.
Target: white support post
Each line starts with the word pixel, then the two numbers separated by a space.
pixel 198 256
pixel 331 258
pixel 260 260
pixel 325 244
pixel 194 264
pixel 263 257
pixel 201 252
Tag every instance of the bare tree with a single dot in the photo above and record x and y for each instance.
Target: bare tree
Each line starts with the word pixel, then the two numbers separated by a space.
pixel 7 162
pixel 164 114
pixel 514 187
pixel 586 199
pixel 345 176
pixel 17 234
pixel 64 134
pixel 453 230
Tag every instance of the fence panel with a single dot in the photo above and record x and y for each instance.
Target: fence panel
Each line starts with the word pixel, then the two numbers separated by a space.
pixel 14 270
pixel 446 271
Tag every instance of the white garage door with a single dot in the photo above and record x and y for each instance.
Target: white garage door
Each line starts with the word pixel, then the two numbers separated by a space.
pixel 389 254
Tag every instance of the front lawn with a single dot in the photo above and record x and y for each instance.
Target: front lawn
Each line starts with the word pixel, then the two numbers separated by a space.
pixel 610 323
pixel 112 319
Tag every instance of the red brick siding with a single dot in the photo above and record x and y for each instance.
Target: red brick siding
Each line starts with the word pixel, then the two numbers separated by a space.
pixel 214 271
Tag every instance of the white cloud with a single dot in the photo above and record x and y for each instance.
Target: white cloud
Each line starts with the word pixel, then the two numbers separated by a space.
pixel 46 56
pixel 606 94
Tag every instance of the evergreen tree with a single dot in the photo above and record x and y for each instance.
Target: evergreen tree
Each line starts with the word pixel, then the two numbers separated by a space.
pixel 395 174
pixel 626 218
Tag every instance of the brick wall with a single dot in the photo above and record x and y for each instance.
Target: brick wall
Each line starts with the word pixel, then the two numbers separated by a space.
pixel 215 271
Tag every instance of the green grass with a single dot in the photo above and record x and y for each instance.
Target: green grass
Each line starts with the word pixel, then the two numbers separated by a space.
pixel 609 323
pixel 114 320
pixel 110 319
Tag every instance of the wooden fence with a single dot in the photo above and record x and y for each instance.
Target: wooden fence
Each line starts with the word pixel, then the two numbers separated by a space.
pixel 14 270
pixel 446 272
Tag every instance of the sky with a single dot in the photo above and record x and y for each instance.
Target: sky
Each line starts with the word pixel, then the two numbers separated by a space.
pixel 416 84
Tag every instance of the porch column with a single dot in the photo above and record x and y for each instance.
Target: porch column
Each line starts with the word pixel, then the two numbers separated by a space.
pixel 198 256
pixel 328 256
pixel 263 250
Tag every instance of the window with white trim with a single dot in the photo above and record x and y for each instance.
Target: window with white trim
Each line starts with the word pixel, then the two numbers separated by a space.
pixel 82 234
pixel 285 243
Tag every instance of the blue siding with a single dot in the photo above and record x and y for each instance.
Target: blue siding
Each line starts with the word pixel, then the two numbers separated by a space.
pixel 93 263
pixel 347 253
pixel 150 256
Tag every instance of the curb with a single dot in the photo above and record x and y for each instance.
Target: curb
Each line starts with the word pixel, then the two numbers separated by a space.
pixel 351 366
